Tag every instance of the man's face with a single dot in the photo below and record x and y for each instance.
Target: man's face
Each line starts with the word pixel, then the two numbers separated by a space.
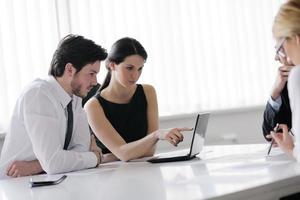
pixel 85 79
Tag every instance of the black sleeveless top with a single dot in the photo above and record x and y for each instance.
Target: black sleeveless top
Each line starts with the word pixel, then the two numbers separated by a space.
pixel 129 120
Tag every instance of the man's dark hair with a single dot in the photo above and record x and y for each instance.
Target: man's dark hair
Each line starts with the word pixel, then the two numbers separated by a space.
pixel 76 50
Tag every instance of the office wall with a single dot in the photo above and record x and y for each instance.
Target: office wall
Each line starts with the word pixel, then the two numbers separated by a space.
pixel 240 126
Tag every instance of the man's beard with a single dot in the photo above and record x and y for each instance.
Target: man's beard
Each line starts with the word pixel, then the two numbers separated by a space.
pixel 76 89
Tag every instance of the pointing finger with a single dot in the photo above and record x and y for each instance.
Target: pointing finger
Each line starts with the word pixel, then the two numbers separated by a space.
pixel 185 129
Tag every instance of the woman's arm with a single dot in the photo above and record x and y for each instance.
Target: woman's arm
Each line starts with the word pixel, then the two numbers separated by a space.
pixel 272 116
pixel 106 133
pixel 278 107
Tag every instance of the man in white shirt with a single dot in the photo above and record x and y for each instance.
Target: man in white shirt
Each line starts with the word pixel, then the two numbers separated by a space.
pixel 49 129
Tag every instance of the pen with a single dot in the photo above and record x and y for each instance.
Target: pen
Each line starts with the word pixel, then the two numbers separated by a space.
pixel 275 130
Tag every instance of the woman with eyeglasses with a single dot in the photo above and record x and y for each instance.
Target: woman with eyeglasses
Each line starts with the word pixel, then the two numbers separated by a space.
pixel 124 115
pixel 286 30
pixel 278 106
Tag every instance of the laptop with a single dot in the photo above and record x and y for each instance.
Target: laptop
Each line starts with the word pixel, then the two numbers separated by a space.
pixel 196 143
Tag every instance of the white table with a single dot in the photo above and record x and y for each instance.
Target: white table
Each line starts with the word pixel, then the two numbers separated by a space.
pixel 223 172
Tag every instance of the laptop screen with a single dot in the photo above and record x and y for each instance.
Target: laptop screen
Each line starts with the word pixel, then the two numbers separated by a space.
pixel 199 133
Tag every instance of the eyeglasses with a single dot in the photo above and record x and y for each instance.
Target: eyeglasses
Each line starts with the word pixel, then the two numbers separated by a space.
pixel 279 49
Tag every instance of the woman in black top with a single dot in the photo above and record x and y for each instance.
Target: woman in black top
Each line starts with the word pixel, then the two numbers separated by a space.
pixel 124 115
pixel 128 119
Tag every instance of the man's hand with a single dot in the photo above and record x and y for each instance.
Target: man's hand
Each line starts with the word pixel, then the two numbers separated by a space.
pixel 96 150
pixel 94 146
pixel 24 168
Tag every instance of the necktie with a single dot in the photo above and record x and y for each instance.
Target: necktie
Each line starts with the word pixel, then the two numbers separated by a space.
pixel 69 126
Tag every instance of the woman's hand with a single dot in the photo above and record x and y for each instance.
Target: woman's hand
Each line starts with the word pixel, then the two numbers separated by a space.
pixel 283 73
pixel 284 140
pixel 174 135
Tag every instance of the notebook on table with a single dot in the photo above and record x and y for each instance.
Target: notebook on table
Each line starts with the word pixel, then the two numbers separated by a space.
pixel 196 143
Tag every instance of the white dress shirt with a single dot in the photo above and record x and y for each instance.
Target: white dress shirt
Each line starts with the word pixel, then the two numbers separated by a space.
pixel 38 129
pixel 294 96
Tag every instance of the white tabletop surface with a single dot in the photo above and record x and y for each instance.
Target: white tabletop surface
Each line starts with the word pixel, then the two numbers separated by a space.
pixel 220 172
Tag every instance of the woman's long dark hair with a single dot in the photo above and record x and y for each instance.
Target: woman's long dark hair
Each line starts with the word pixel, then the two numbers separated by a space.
pixel 119 51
